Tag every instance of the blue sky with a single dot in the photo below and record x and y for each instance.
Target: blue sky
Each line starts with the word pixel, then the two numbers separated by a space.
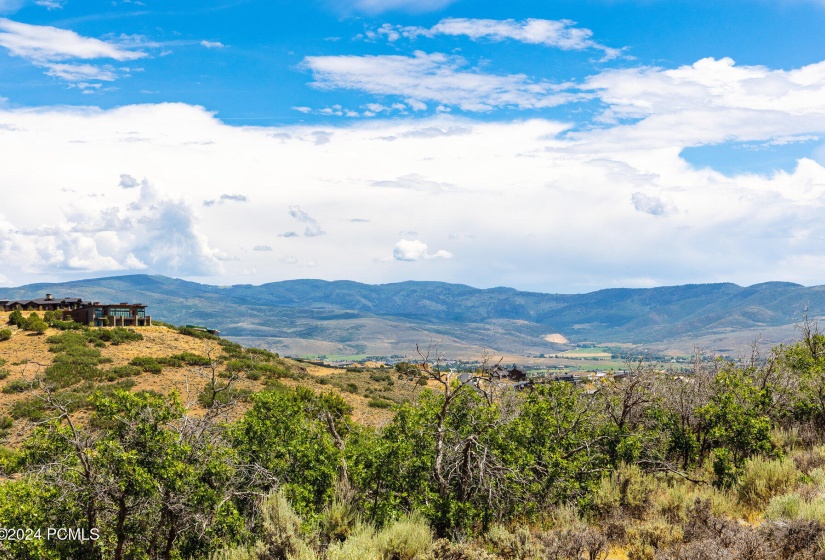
pixel 552 146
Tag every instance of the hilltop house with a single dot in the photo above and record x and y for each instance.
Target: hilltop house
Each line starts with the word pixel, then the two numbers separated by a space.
pixel 41 304
pixel 500 373
pixel 110 315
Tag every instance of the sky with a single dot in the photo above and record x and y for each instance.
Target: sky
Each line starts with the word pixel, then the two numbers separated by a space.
pixel 545 145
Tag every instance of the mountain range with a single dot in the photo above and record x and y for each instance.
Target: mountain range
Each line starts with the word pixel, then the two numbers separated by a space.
pixel 301 317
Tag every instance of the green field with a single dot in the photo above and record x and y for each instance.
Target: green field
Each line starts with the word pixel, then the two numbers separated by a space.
pixel 336 357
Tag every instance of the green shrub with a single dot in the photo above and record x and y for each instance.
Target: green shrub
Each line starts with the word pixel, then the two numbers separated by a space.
pixel 361 544
pixel 49 316
pixel 16 318
pixel 786 506
pixel 351 388
pixel 515 546
pixel 281 528
pixel 379 377
pixel 114 336
pixel 232 349
pixel 120 372
pixel 762 479
pixel 5 334
pixel 627 488
pixel 339 520
pixel 149 365
pixel 238 553
pixel 191 359
pixel 379 403
pixel 261 352
pixel 406 538
pixel 38 326
pixel 196 333
pixel 6 422
pixel 4 373
pixel 65 325
pixel 17 386
pixel 31 409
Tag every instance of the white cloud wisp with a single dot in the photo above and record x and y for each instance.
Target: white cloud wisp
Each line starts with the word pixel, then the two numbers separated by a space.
pixel 58 50
pixel 427 78
pixel 561 34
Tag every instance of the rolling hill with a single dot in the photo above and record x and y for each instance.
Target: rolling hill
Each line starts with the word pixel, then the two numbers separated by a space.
pixel 300 317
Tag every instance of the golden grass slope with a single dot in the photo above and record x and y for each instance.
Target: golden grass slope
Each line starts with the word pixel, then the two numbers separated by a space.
pixel 25 355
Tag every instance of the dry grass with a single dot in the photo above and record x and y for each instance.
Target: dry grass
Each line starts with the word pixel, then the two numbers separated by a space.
pixel 26 355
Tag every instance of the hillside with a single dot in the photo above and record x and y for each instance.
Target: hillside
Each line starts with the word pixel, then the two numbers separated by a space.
pixel 301 317
pixel 161 360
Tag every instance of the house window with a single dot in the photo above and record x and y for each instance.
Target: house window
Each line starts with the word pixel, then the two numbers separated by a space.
pixel 98 312
pixel 119 312
pixel 141 313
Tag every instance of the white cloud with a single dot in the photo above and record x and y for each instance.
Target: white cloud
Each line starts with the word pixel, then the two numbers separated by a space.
pixel 153 231
pixel 313 228
pixel 128 182
pixel 513 194
pixel 80 72
pixel 713 101
pixel 414 250
pixel 562 34
pixel 212 44
pixel 50 4
pixel 45 43
pixel 433 77
pixel 53 49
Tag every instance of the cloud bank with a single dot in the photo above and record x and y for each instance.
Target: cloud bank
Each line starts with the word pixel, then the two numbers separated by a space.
pixel 532 203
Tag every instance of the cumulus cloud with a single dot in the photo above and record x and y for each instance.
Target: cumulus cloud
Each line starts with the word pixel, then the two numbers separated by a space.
pixel 414 250
pixel 521 189
pixel 53 49
pixel 562 34
pixel 433 77
pixel 152 232
pixel 262 248
pixel 713 100
pixel 128 182
pixel 212 44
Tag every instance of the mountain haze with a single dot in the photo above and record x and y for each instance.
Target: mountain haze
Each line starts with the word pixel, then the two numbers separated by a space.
pixel 345 317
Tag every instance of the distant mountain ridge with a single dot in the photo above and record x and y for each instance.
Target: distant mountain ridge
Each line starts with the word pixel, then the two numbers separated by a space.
pixel 362 318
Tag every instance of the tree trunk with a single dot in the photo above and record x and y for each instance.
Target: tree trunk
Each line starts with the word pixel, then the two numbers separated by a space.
pixel 120 533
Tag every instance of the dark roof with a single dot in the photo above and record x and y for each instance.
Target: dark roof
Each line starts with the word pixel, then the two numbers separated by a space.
pixel 41 301
pixel 98 304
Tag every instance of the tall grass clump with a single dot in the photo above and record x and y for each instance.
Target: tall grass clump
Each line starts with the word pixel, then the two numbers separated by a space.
pixel 762 479
pixel 405 538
